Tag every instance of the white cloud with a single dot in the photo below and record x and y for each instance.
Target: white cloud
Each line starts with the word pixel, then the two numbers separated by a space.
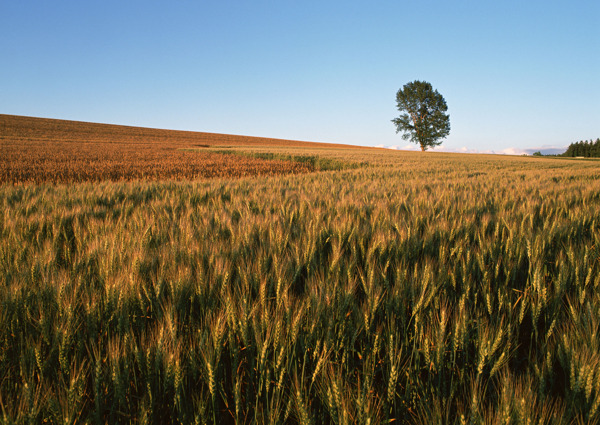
pixel 398 147
pixel 545 149
pixel 512 151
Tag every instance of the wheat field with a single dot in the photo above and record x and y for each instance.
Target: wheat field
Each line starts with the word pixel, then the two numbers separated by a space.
pixel 38 150
pixel 411 288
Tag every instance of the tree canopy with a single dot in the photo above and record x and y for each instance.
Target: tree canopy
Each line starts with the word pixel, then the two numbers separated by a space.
pixel 424 120
pixel 588 149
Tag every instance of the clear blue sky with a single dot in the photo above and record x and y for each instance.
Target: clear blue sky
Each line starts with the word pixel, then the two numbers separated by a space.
pixel 515 74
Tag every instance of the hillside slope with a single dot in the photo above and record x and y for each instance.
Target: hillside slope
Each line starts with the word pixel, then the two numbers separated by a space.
pixel 18 128
pixel 46 150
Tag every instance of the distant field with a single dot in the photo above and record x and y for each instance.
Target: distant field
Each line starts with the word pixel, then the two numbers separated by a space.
pixel 372 286
pixel 43 150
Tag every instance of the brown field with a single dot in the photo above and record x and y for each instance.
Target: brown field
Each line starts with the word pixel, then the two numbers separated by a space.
pixel 47 150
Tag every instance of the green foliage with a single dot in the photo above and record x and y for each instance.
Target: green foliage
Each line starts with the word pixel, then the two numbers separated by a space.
pixel 537 153
pixel 314 162
pixel 424 120
pixel 586 149
pixel 461 289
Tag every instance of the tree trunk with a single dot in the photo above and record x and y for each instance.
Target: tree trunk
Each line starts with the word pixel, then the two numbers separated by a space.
pixel 422 148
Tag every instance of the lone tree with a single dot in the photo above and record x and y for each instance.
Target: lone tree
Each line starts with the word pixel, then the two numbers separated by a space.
pixel 424 120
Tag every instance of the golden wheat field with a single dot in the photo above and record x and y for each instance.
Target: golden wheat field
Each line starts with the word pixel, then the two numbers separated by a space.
pixel 42 150
pixel 326 284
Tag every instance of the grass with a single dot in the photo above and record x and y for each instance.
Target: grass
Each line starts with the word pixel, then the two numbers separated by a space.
pixel 312 162
pixel 424 288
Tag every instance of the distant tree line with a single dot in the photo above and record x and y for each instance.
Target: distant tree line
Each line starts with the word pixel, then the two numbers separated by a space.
pixel 587 149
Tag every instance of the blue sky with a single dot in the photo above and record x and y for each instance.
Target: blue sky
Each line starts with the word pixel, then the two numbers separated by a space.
pixel 515 74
